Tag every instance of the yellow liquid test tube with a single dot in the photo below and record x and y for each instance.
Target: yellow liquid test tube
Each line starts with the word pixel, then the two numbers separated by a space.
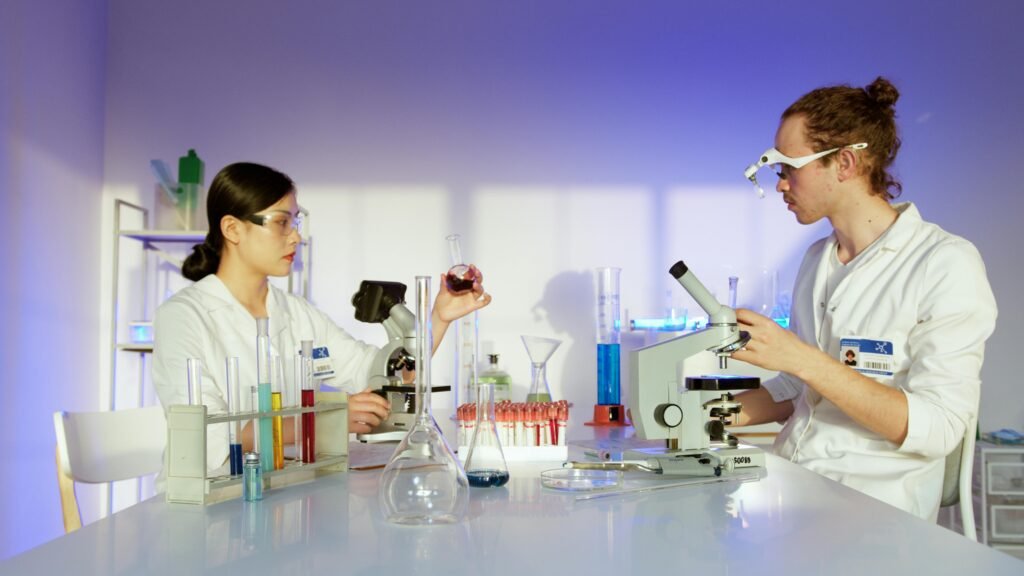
pixel 275 404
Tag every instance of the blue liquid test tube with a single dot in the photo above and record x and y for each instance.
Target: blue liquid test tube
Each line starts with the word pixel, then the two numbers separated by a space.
pixel 266 427
pixel 234 405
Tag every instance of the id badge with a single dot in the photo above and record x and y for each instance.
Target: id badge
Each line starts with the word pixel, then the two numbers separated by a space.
pixel 872 358
pixel 323 366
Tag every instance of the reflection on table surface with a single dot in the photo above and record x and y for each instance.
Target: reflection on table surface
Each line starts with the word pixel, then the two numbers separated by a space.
pixel 791 521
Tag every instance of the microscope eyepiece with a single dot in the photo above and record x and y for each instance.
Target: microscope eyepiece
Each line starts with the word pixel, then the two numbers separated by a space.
pixel 678 270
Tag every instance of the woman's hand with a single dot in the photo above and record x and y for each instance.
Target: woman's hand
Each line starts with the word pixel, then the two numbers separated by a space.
pixel 366 410
pixel 449 307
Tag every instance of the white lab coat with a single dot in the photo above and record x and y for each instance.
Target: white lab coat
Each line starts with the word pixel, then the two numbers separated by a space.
pixel 926 291
pixel 205 321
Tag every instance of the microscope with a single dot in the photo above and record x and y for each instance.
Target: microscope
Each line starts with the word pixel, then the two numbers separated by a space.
pixel 675 396
pixel 383 303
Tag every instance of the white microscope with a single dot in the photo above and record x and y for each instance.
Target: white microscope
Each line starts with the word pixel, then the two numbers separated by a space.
pixel 674 397
pixel 379 302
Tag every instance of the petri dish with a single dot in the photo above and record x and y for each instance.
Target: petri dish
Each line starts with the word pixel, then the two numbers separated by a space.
pixel 575 480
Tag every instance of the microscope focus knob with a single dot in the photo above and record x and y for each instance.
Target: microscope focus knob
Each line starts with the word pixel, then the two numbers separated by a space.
pixel 668 415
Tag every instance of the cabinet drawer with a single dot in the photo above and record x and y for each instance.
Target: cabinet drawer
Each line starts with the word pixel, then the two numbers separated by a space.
pixel 1007 522
pixel 1005 478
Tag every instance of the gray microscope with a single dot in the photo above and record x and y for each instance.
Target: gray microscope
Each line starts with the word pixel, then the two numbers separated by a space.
pixel 379 302
pixel 681 390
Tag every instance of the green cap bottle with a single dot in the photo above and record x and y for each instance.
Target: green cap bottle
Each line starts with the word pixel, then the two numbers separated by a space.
pixel 190 169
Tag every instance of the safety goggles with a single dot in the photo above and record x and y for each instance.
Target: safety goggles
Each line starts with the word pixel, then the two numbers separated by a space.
pixel 773 157
pixel 282 222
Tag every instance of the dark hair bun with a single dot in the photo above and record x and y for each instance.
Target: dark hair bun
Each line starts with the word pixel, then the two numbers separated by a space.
pixel 201 263
pixel 883 92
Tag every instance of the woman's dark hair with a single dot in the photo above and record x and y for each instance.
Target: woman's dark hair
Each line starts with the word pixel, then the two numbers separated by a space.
pixel 842 115
pixel 240 190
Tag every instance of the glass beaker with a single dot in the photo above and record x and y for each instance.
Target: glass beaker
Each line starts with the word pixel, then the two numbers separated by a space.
pixel 539 350
pixel 423 483
pixel 485 463
pixel 467 335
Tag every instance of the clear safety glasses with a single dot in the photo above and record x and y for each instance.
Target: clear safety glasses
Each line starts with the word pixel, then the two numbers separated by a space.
pixel 773 157
pixel 280 222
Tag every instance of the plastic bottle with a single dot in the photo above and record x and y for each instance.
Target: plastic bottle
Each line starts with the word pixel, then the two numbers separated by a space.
pixel 192 196
pixel 495 375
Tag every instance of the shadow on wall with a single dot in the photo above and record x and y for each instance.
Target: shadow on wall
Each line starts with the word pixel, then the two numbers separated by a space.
pixel 568 304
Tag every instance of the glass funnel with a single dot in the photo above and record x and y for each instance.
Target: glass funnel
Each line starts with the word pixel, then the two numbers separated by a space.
pixel 539 350
pixel 485 464
pixel 423 482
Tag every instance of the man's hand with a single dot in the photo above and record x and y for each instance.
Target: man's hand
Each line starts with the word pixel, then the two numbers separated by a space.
pixel 771 346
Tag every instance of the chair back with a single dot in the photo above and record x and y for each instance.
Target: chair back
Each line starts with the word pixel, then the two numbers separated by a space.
pixel 958 480
pixel 97 447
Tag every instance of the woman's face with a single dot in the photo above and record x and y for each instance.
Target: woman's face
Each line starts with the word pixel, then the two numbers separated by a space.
pixel 269 249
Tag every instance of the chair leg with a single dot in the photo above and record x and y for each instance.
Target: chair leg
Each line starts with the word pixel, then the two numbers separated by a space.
pixel 68 500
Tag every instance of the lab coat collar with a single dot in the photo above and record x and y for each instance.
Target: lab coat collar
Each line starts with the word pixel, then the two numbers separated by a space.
pixel 902 230
pixel 216 296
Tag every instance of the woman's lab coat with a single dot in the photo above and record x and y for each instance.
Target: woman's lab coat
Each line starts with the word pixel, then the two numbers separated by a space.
pixel 205 321
pixel 925 291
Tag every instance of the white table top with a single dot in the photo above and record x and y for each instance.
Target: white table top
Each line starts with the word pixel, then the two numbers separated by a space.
pixel 790 522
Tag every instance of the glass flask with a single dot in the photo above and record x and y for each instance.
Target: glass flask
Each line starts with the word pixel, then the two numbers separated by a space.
pixel 485 463
pixel 423 483
pixel 467 335
pixel 539 350
pixel 460 276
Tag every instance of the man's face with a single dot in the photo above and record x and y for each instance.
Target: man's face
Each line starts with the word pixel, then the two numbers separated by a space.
pixel 808 191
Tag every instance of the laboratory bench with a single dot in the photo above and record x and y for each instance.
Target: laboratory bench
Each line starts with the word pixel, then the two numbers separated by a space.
pixel 790 521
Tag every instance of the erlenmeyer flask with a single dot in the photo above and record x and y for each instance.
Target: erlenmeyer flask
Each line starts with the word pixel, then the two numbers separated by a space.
pixel 485 464
pixel 539 350
pixel 424 482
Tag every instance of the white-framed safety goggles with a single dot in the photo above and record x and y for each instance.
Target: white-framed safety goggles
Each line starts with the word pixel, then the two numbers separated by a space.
pixel 773 157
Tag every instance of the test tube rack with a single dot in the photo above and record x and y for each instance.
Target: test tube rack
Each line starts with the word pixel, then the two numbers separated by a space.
pixel 188 480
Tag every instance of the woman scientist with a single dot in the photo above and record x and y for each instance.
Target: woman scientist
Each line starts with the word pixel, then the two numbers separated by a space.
pixel 254 233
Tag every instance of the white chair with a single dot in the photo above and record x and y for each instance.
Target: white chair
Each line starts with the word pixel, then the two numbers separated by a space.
pixel 958 480
pixel 97 447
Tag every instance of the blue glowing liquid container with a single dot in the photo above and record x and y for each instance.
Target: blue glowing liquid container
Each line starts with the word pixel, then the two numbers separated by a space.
pixel 608 385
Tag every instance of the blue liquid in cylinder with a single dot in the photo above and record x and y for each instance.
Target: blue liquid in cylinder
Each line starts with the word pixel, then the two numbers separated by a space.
pixel 608 387
pixel 487 478
pixel 236 459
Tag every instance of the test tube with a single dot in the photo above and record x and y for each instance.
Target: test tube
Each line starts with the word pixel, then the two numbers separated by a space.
pixel 234 428
pixel 195 381
pixel 276 405
pixel 297 399
pixel 263 377
pixel 308 400
pixel 254 403
pixel 734 282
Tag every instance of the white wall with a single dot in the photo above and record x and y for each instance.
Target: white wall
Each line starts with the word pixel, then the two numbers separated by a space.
pixel 559 136
pixel 51 172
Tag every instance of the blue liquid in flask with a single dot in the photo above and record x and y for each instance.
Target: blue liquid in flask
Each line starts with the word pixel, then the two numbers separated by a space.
pixel 487 478
pixel 608 388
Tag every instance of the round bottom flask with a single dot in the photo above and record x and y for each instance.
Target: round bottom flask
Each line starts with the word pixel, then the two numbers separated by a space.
pixel 423 483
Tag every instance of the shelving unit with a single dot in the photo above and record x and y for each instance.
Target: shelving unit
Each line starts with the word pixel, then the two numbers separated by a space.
pixel 1002 497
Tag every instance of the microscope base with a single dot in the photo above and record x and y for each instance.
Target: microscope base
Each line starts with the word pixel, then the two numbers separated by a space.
pixel 713 461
